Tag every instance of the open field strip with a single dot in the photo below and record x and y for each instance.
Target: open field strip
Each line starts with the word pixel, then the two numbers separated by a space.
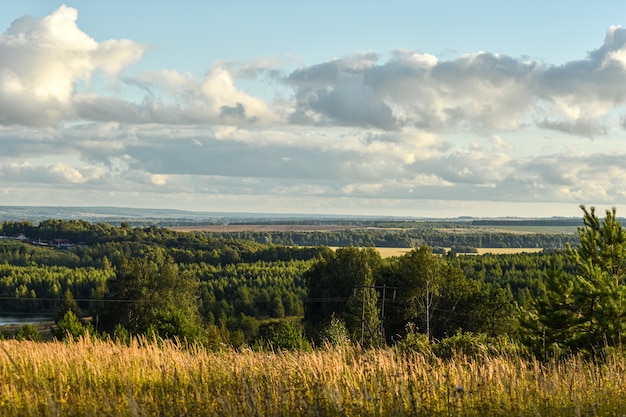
pixel 527 229
pixel 389 252
pixel 96 378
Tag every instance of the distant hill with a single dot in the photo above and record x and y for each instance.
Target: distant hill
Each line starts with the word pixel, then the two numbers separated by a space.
pixel 115 215
pixel 155 216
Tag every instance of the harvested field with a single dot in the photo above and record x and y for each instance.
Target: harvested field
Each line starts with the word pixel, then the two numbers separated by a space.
pixel 225 228
pixel 389 252
pixel 498 251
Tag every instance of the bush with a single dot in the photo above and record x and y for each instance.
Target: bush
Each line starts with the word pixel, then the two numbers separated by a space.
pixel 335 333
pixel 28 332
pixel 174 325
pixel 475 345
pixel 69 327
pixel 414 341
pixel 282 334
pixel 121 334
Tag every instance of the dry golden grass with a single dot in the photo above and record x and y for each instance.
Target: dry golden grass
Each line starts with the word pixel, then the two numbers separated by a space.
pixel 95 378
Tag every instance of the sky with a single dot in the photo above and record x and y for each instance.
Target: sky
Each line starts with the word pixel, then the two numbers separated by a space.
pixel 396 108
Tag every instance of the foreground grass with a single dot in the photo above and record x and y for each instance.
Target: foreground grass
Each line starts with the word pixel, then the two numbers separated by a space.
pixel 96 378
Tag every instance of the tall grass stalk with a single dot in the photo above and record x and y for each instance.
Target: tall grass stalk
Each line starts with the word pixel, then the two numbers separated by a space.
pixel 90 377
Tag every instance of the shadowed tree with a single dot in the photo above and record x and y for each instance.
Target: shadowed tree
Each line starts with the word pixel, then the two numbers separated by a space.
pixel 149 297
pixel 337 286
pixel 68 303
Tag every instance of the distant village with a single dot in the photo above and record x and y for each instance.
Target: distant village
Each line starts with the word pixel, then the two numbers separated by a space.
pixel 59 243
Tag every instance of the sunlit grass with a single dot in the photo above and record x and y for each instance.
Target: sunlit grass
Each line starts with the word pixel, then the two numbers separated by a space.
pixel 97 378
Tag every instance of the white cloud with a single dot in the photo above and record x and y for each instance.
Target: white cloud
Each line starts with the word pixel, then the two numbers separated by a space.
pixel 42 59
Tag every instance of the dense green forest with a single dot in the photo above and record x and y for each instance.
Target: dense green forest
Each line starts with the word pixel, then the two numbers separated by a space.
pixel 425 234
pixel 289 289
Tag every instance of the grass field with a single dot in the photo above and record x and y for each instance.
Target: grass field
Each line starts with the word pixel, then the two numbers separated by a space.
pixel 97 378
pixel 389 252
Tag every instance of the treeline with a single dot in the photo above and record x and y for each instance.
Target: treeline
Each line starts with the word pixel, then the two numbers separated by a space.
pixel 407 238
pixel 528 222
pixel 411 234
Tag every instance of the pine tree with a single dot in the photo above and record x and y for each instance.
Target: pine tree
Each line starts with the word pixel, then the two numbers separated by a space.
pixel 586 310
pixel 68 304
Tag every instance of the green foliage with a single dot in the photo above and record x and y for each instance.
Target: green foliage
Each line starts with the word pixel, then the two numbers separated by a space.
pixel 587 310
pixel 35 288
pixel 335 333
pixel 145 296
pixel 407 235
pixel 68 303
pixel 28 332
pixel 475 345
pixel 120 334
pixel 340 285
pixel 240 282
pixel 175 324
pixel 414 341
pixel 69 326
pixel 437 297
pixel 282 335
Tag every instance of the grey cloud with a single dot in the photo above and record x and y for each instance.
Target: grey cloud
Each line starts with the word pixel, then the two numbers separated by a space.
pixel 327 73
pixel 236 114
pixel 579 127
pixel 351 104
pixel 24 108
pixel 103 109
pixel 237 111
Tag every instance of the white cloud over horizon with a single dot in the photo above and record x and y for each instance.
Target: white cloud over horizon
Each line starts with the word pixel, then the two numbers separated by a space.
pixel 366 133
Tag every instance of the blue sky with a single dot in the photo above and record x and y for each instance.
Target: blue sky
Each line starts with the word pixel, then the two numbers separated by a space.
pixel 399 108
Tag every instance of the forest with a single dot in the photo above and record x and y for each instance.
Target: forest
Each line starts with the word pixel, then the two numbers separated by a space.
pixel 291 290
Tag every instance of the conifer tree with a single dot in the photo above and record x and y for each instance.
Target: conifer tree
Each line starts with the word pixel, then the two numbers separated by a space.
pixel 586 310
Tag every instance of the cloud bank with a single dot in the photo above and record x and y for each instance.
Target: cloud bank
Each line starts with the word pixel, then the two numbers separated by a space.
pixel 386 133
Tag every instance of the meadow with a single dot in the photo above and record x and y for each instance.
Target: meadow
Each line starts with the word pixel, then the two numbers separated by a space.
pixel 91 377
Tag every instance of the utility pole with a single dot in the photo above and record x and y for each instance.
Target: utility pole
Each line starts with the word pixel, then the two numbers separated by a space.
pixel 428 304
pixel 380 328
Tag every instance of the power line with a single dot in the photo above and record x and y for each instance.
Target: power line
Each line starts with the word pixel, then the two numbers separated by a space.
pixel 380 328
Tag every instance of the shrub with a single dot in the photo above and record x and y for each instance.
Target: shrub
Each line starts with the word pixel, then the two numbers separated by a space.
pixel 475 345
pixel 28 332
pixel 283 335
pixel 335 333
pixel 121 334
pixel 69 327
pixel 414 341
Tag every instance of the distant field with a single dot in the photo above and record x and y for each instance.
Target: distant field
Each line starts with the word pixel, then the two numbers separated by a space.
pixel 389 252
pixel 250 227
pixel 226 228
pixel 526 229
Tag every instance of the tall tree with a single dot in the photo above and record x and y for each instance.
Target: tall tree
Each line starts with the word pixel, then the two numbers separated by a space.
pixel 341 285
pixel 145 296
pixel 68 303
pixel 588 309
pixel 438 298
